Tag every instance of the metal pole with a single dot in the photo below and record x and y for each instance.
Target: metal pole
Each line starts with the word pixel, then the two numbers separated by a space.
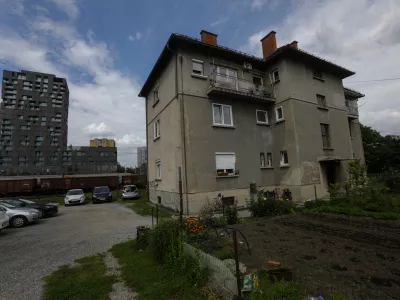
pixel 156 213
pixel 237 265
pixel 315 192
pixel 180 197
pixel 152 217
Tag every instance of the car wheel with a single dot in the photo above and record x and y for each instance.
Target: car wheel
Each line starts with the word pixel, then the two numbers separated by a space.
pixel 41 214
pixel 19 221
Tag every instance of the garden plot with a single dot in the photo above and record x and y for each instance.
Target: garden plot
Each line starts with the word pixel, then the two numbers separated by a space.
pixel 353 256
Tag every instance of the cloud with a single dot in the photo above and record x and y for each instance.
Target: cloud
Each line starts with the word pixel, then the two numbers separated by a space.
pixel 15 7
pixel 219 22
pixel 361 35
pixel 98 131
pixel 130 141
pixel 258 4
pixel 136 37
pixel 67 6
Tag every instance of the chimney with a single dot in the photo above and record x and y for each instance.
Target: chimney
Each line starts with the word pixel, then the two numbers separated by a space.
pixel 268 43
pixel 294 44
pixel 208 37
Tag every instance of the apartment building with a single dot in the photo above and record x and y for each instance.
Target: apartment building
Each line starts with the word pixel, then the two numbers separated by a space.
pixel 228 119
pixel 34 122
pixel 141 156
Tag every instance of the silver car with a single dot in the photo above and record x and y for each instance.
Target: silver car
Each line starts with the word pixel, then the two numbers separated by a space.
pixel 130 192
pixel 4 219
pixel 76 196
pixel 20 216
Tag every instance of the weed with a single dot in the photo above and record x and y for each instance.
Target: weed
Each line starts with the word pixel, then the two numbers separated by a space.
pixel 224 253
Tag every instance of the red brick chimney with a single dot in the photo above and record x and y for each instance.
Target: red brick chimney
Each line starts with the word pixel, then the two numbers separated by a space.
pixel 268 43
pixel 294 44
pixel 208 37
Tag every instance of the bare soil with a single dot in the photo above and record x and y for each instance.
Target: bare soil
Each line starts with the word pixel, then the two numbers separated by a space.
pixel 359 257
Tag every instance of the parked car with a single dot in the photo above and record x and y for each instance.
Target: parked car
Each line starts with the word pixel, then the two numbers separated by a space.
pixel 101 193
pixel 4 219
pixel 130 192
pixel 45 209
pixel 76 196
pixel 20 216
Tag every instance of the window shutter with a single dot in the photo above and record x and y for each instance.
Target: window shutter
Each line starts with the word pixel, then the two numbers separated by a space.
pixel 225 161
pixel 197 67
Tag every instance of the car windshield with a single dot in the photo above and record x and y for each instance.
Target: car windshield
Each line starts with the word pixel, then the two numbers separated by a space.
pixel 74 192
pixel 27 201
pixel 7 205
pixel 101 189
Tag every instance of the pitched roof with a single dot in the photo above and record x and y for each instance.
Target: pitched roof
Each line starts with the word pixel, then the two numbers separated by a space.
pixel 179 40
pixel 353 93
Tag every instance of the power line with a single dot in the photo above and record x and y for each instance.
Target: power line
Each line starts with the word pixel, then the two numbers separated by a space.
pixel 372 80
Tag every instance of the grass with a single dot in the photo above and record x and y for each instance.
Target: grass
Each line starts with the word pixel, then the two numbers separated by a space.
pixel 143 207
pixel 84 281
pixel 151 280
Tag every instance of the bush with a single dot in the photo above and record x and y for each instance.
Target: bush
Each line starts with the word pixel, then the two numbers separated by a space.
pixel 277 290
pixel 219 221
pixel 231 214
pixel 224 253
pixel 261 207
pixel 315 203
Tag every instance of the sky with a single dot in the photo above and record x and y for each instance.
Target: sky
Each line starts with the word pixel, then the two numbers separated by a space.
pixel 106 50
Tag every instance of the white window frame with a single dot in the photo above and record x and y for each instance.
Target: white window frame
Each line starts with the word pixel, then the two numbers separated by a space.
pixel 156 95
pixel 157 133
pixel 266 117
pixel 268 159
pixel 276 114
pixel 222 115
pixel 282 162
pixel 197 61
pixel 274 77
pixel 158 169
pixel 233 173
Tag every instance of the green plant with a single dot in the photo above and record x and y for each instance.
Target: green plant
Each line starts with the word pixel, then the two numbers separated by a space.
pixel 267 290
pixel 231 214
pixel 143 240
pixel 219 221
pixel 224 253
pixel 263 207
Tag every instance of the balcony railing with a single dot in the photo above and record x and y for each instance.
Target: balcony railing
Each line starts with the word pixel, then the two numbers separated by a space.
pixel 223 84
pixel 352 108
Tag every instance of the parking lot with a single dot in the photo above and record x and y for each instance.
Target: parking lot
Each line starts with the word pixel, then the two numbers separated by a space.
pixel 29 253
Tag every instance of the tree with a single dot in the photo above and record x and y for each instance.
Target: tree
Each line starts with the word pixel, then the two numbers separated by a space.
pixel 381 153
pixel 120 169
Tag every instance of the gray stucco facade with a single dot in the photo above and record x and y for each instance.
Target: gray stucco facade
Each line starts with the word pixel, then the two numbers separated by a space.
pixel 308 147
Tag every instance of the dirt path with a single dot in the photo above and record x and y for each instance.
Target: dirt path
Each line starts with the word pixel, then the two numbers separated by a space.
pixel 120 290
pixel 360 257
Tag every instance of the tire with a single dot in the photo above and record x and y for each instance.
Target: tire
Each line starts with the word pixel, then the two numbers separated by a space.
pixel 18 221
pixel 42 214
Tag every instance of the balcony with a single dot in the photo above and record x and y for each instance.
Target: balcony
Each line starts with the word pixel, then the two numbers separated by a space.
pixel 352 108
pixel 233 87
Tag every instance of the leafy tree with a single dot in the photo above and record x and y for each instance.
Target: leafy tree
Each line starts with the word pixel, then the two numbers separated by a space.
pixel 120 169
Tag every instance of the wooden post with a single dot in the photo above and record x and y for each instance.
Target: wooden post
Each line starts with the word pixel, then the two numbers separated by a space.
pixel 239 285
pixel 156 213
pixel 180 197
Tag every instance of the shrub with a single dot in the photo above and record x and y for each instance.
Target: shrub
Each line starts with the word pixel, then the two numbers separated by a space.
pixel 315 203
pixel 219 221
pixel 231 214
pixel 277 290
pixel 268 207
pixel 224 253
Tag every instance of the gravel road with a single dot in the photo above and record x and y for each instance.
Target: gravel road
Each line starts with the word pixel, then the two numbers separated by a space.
pixel 27 254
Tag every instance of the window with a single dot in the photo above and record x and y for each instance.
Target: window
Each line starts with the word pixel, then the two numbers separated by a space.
pixel 226 77
pixel 262 159
pixel 326 142
pixel 225 163
pixel 258 81
pixel 351 131
pixel 284 158
pixel 222 115
pixel 262 116
pixel 275 76
pixel 46 80
pixel 197 67
pixel 43 118
pixel 321 101
pixel 269 159
pixel 158 169
pixel 157 129
pixel 279 113
pixel 156 95
pixel 317 74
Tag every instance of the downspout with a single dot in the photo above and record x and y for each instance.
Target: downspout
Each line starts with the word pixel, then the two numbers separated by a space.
pixel 183 126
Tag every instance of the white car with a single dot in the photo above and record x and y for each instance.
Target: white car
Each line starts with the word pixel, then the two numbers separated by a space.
pixel 4 219
pixel 74 197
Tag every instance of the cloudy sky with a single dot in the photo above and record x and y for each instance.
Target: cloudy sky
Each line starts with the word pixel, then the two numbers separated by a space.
pixel 107 48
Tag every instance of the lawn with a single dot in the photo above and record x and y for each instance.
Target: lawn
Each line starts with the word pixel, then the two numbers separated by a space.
pixel 86 280
pixel 151 280
pixel 143 207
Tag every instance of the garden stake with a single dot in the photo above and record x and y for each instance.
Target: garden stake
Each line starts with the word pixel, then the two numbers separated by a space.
pixel 237 265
